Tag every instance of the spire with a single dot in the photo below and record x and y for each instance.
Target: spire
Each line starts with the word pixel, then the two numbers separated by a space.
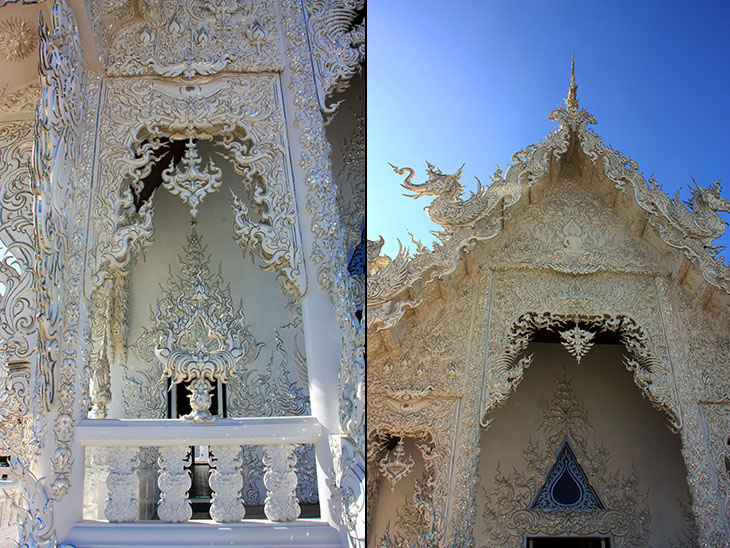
pixel 572 101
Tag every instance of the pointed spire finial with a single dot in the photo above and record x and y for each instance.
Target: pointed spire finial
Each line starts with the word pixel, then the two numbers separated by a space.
pixel 571 102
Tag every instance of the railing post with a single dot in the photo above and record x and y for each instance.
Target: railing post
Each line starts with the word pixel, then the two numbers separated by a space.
pixel 123 485
pixel 226 481
pixel 280 479
pixel 174 483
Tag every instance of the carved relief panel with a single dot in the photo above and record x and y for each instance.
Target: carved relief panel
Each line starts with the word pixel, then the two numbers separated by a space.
pixel 188 38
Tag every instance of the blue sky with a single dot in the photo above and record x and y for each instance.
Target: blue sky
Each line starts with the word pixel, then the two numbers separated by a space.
pixel 474 81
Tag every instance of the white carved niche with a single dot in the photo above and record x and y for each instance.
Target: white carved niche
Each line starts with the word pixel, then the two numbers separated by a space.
pixel 264 305
pixel 275 383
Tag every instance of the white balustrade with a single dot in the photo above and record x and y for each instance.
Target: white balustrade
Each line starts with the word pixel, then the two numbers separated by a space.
pixel 280 480
pixel 174 483
pixel 122 484
pixel 226 481
pixel 173 439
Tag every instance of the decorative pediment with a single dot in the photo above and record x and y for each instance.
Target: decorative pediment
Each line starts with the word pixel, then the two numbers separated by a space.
pixel 587 244
pixel 571 230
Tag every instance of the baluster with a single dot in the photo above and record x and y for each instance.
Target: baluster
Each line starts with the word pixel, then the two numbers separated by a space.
pixel 122 484
pixel 226 481
pixel 280 480
pixel 174 483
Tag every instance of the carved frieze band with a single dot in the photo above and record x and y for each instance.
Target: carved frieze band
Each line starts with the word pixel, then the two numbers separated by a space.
pixel 173 38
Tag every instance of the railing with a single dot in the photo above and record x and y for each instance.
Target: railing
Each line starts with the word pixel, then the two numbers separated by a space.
pixel 173 439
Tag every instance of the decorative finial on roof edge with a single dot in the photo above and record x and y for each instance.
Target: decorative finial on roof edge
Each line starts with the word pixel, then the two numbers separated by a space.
pixel 571 103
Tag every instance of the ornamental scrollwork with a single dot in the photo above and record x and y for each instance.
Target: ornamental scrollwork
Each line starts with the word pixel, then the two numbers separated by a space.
pixel 24 99
pixel 506 370
pixel 189 181
pixel 18 336
pixel 432 422
pixel 62 157
pixel 197 335
pixel 329 251
pixel 338 44
pixel 189 38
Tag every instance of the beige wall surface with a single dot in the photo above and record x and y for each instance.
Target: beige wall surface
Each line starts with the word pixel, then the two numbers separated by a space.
pixel 618 438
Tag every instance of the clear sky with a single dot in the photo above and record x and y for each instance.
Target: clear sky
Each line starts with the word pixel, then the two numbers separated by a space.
pixel 474 81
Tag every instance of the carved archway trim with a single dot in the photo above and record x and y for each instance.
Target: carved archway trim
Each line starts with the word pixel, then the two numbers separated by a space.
pixel 415 415
pixel 147 109
pixel 505 371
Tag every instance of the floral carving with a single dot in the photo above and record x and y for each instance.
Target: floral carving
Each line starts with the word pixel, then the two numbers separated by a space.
pixel 18 39
pixel 197 335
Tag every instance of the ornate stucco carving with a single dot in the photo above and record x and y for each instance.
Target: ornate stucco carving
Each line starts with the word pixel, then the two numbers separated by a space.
pixel 251 134
pixel 338 44
pixel 430 420
pixel 188 38
pixel 18 353
pixel 527 248
pixel 64 124
pixel 190 182
pixel 642 335
pixel 197 335
pixel 329 252
pixel 623 512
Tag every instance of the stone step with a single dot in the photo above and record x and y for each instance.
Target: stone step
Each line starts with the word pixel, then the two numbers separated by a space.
pixel 252 533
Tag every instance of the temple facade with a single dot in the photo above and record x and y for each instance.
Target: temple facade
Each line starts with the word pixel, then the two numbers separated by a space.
pixel 555 369
pixel 182 273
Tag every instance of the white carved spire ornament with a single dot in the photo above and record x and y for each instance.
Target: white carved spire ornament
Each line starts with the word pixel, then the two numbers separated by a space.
pixel 198 336
pixel 571 102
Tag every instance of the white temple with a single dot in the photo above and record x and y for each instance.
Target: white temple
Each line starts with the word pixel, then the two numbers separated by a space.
pixel 555 369
pixel 182 273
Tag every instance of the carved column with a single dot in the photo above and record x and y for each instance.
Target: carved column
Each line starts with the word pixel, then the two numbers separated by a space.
pixel 174 483
pixel 123 485
pixel 226 481
pixel 280 479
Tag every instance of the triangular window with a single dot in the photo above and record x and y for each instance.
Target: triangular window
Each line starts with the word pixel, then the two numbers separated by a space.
pixel 566 486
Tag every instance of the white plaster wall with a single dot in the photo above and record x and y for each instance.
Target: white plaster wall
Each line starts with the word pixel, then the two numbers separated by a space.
pixel 633 432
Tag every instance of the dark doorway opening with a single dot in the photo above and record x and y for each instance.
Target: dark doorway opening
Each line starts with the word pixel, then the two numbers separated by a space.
pixel 568 542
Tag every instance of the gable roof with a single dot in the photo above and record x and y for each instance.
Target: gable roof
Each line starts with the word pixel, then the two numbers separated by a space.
pixel 682 232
